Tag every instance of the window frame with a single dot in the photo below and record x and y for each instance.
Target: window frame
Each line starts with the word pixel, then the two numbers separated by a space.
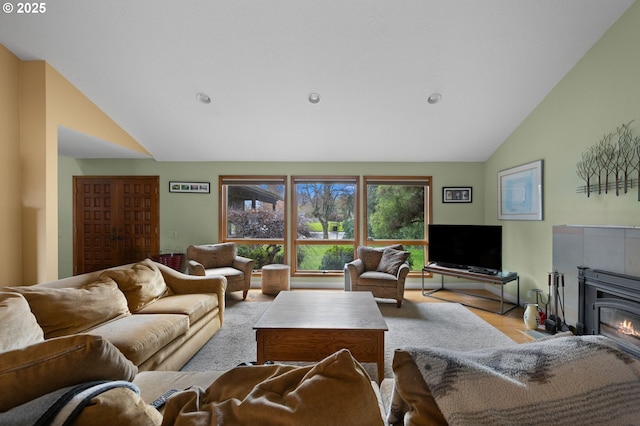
pixel 223 184
pixel 426 181
pixel 297 242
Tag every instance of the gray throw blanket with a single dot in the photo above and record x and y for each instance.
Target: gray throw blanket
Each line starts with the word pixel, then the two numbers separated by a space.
pixel 60 407
pixel 564 381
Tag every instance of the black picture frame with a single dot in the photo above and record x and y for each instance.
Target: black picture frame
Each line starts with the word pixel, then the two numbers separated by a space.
pixel 457 194
pixel 190 187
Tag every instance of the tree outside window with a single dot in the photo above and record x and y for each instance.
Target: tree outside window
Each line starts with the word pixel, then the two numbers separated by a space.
pixel 325 217
pixel 397 213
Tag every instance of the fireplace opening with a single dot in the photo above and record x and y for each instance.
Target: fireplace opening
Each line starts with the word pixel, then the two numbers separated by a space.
pixel 621 325
pixel 609 304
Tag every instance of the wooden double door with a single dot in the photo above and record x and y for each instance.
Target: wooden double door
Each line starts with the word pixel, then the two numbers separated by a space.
pixel 116 221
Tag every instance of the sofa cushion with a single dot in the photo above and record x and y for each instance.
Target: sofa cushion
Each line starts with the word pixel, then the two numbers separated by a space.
pixel 142 283
pixel 371 256
pixel 19 327
pixel 56 363
pixel 336 390
pixel 153 384
pixel 377 279
pixel 391 260
pixel 66 311
pixel 567 376
pixel 231 274
pixel 195 306
pixel 139 336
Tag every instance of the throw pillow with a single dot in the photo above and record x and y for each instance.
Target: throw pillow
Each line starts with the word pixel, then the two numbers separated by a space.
pixel 118 406
pixel 19 327
pixel 44 367
pixel 66 311
pixel 411 399
pixel 336 390
pixel 371 256
pixel 392 260
pixel 567 376
pixel 142 283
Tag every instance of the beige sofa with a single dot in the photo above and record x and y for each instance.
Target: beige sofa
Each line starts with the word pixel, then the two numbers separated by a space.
pixel 157 317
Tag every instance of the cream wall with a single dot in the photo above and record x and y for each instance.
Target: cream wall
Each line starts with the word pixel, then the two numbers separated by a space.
pixel 599 94
pixel 35 101
pixel 10 192
pixel 194 217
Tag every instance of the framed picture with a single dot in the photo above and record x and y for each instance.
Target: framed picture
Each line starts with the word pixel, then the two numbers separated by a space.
pixel 520 192
pixel 456 194
pixel 190 187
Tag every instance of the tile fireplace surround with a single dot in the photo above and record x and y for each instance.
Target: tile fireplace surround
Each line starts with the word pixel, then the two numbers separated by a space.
pixel 609 248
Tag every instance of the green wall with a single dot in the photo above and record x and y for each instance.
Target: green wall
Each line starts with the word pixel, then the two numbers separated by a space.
pixel 599 94
pixel 194 217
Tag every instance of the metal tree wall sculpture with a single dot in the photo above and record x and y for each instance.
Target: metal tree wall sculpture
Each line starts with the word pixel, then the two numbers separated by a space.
pixel 611 163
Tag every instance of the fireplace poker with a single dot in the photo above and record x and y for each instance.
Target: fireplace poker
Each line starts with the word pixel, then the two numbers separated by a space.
pixel 548 296
pixel 562 301
pixel 553 323
pixel 556 297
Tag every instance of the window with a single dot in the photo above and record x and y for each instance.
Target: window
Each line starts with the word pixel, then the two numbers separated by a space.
pixel 398 210
pixel 325 219
pixel 326 222
pixel 253 216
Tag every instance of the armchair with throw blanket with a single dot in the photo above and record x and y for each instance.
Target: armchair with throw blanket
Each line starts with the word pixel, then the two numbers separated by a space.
pixel 221 259
pixel 380 270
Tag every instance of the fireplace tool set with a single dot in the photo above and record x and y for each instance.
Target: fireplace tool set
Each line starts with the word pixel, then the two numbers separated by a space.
pixel 554 322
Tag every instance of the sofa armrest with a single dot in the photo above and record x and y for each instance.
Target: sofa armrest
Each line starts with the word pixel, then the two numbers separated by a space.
pixel 355 268
pixel 195 268
pixel 403 271
pixel 181 283
pixel 190 284
pixel 244 264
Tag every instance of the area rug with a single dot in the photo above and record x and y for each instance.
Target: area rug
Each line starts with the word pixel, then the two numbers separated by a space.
pixel 444 325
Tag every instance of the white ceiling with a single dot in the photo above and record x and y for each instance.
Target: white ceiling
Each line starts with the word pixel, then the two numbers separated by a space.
pixel 373 62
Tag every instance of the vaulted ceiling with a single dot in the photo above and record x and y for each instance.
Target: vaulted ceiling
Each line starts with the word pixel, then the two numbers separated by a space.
pixel 374 64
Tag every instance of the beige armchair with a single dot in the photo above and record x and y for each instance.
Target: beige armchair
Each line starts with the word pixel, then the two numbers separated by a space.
pixel 380 270
pixel 221 259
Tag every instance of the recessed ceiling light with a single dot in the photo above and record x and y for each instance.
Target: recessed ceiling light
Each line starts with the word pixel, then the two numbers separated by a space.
pixel 314 98
pixel 434 98
pixel 203 97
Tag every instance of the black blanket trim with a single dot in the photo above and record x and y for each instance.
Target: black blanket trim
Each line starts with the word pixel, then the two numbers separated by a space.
pixel 69 405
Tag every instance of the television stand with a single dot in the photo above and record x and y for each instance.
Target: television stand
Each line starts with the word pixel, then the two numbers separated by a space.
pixel 500 278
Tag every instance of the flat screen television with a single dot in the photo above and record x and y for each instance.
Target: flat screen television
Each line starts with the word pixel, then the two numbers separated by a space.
pixel 477 248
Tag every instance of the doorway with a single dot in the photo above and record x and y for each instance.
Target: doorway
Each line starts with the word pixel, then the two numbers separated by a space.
pixel 115 221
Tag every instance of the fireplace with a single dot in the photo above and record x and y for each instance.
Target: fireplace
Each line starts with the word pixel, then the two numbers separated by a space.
pixel 609 304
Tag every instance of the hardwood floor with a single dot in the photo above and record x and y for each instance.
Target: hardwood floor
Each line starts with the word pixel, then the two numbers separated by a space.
pixel 510 324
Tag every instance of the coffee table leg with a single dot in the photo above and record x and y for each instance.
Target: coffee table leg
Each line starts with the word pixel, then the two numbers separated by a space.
pixel 380 352
pixel 260 347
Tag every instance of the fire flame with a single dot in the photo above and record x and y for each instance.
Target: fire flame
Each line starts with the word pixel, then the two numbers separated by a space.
pixel 626 327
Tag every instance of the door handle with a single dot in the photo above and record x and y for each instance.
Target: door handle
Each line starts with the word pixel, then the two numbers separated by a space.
pixel 115 236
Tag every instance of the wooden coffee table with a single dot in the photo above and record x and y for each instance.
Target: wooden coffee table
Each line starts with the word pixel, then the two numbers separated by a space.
pixel 311 325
